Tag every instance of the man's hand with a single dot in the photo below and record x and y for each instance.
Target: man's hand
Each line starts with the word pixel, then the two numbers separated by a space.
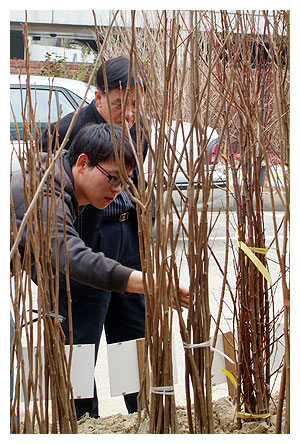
pixel 135 285
pixel 184 297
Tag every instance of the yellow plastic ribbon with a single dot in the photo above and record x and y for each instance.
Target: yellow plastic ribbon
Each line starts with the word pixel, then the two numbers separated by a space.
pixel 249 251
pixel 252 416
pixel 230 376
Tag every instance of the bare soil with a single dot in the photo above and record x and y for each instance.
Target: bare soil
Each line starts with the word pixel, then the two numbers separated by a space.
pixel 224 414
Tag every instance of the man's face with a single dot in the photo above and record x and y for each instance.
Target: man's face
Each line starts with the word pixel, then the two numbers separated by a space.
pixel 117 99
pixel 92 186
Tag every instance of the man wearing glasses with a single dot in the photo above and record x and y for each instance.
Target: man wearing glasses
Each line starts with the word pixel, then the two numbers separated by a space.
pixel 86 181
pixel 112 231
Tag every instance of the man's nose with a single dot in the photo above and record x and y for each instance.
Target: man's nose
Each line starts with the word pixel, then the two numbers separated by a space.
pixel 129 112
pixel 117 188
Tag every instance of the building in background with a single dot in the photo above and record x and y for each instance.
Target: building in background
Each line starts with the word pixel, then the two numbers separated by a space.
pixel 62 32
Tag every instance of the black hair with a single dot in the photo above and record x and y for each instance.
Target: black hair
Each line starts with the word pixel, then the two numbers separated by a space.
pixel 96 141
pixel 117 71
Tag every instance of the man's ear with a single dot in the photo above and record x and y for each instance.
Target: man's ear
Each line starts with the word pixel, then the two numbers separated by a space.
pixel 97 95
pixel 82 162
pixel 98 99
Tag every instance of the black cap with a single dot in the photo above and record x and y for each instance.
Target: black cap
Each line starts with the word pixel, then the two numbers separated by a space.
pixel 117 70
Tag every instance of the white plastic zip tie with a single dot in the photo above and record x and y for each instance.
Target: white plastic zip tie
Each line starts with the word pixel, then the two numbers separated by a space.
pixel 207 344
pixel 203 344
pixel 167 390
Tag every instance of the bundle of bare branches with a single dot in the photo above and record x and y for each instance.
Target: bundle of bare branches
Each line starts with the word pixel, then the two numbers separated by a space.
pixel 204 71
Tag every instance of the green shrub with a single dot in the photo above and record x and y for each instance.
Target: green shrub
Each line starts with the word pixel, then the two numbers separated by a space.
pixel 55 66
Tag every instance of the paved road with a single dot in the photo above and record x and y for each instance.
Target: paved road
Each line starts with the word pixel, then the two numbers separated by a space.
pixel 217 201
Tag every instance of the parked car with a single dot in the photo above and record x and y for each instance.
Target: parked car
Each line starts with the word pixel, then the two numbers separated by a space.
pixel 66 93
pixel 218 173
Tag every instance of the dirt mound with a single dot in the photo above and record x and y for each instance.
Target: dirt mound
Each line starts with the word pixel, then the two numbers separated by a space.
pixel 223 413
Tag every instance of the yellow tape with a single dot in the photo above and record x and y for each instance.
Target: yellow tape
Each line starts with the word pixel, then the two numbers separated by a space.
pixel 259 250
pixel 252 416
pixel 230 376
pixel 249 252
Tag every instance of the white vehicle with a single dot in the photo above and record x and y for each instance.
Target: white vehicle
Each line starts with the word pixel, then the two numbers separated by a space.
pixel 218 176
pixel 66 94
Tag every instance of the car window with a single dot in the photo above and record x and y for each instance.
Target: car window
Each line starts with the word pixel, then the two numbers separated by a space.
pixel 40 104
pixel 66 105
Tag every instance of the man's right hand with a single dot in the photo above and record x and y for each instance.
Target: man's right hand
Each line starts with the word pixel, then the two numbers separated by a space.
pixel 135 285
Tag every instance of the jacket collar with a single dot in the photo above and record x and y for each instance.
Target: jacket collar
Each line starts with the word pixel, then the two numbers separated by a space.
pixel 98 117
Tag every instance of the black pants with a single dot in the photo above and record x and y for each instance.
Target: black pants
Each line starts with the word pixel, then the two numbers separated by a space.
pixel 123 316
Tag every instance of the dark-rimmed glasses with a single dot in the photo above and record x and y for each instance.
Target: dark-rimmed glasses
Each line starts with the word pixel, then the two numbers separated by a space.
pixel 113 180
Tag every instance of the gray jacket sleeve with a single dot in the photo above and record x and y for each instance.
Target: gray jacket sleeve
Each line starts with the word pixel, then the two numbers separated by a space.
pixel 86 266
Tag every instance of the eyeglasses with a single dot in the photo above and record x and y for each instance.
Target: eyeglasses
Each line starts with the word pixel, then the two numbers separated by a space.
pixel 113 180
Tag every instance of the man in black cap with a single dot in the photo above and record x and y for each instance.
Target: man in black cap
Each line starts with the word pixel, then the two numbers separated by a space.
pixel 112 231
